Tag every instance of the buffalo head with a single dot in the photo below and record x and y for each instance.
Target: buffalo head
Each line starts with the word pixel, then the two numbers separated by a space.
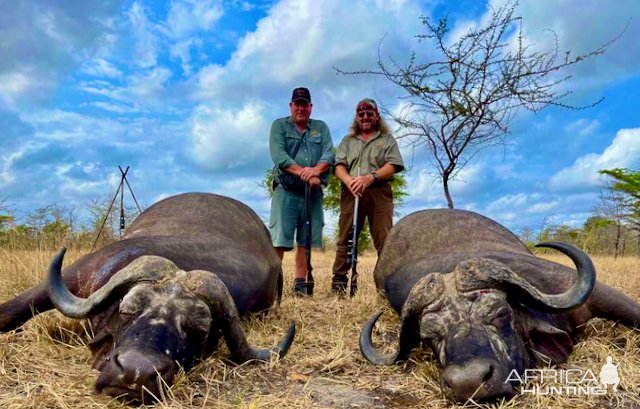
pixel 152 319
pixel 482 321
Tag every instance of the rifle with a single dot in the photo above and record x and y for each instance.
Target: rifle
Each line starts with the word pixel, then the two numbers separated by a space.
pixel 353 249
pixel 308 237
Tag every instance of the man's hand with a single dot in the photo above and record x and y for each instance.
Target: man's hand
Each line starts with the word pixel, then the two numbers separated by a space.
pixel 358 184
pixel 314 182
pixel 309 172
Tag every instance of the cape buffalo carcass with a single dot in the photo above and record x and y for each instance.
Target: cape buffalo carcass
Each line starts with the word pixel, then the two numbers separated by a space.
pixel 471 291
pixel 186 270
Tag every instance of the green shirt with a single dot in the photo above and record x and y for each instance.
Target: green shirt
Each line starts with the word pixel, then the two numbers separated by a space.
pixel 355 153
pixel 315 144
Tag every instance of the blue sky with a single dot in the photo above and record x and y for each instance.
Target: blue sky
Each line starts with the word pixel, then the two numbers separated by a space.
pixel 184 92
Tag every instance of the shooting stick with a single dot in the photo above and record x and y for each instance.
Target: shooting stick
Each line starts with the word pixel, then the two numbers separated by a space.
pixel 119 191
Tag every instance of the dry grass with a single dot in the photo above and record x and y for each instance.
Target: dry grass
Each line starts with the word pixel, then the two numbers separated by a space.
pixel 46 364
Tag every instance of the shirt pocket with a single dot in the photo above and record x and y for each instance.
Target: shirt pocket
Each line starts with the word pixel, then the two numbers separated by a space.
pixel 293 139
pixel 377 156
pixel 315 149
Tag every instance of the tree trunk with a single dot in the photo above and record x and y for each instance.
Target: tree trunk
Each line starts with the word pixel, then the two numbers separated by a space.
pixel 615 256
pixel 445 186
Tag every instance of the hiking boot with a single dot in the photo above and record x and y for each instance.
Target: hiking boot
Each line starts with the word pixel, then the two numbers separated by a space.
pixel 300 288
pixel 339 285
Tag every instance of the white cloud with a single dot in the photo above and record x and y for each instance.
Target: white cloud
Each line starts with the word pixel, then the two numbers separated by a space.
pixel 147 41
pixel 144 90
pixel 118 109
pixel 75 188
pixel 45 40
pixel 543 207
pixel 101 68
pixel 315 37
pixel 624 152
pixel 182 51
pixel 224 139
pixel 512 206
pixel 582 27
pixel 15 85
pixel 424 185
pixel 64 126
pixel 7 175
pixel 149 86
pixel 189 16
pixel 583 127
pixel 508 202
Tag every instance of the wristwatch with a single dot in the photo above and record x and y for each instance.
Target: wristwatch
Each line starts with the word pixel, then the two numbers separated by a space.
pixel 375 175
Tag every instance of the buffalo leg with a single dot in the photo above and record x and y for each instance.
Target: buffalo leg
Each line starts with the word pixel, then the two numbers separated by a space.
pixel 609 303
pixel 17 311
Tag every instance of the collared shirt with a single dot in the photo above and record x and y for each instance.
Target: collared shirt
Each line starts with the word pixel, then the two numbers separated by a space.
pixel 356 154
pixel 315 143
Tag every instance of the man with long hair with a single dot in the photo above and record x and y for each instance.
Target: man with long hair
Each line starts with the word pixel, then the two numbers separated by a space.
pixel 366 160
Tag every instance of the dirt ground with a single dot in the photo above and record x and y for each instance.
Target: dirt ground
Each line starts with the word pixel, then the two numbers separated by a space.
pixel 46 364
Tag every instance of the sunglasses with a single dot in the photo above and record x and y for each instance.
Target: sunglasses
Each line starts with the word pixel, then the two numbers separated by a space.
pixel 368 113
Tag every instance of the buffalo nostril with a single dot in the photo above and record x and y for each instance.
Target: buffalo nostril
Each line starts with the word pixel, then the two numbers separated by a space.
pixel 446 385
pixel 489 374
pixel 469 380
pixel 138 368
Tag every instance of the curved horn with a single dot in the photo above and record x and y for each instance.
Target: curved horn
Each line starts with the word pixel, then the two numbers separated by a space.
pixel 423 293
pixel 579 292
pixel 215 293
pixel 371 353
pixel 481 272
pixel 146 268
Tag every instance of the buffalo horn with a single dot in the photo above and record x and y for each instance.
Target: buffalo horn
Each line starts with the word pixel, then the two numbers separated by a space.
pixel 371 353
pixel 213 291
pixel 574 296
pixel 146 268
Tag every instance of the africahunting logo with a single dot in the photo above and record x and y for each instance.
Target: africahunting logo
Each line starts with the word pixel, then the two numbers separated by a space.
pixel 573 381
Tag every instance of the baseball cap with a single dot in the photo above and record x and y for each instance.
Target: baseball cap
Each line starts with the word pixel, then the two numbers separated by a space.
pixel 367 104
pixel 301 93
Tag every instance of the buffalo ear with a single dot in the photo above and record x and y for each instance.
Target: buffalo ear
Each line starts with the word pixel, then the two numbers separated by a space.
pixel 546 343
pixel 102 342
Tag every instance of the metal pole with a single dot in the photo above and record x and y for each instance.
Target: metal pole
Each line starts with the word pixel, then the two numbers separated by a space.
pixel 130 190
pixel 308 237
pixel 122 221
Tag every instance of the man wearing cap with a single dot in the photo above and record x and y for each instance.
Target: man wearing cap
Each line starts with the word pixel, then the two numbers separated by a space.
pixel 366 160
pixel 302 150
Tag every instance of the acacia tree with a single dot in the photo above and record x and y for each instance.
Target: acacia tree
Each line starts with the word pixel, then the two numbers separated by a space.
pixel 611 208
pixel 463 100
pixel 625 186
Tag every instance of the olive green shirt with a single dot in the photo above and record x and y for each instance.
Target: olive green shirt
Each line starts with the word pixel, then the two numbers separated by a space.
pixel 315 144
pixel 356 154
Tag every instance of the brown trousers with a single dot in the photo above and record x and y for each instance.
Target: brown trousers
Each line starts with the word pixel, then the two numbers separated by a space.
pixel 376 205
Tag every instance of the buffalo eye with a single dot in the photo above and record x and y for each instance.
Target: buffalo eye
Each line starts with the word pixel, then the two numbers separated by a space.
pixel 502 317
pixel 199 323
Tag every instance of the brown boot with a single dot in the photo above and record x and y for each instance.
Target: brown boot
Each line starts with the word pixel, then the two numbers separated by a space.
pixel 339 285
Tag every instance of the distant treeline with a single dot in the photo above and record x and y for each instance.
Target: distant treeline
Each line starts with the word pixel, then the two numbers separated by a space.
pixel 54 226
pixel 613 229
pixel 598 236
